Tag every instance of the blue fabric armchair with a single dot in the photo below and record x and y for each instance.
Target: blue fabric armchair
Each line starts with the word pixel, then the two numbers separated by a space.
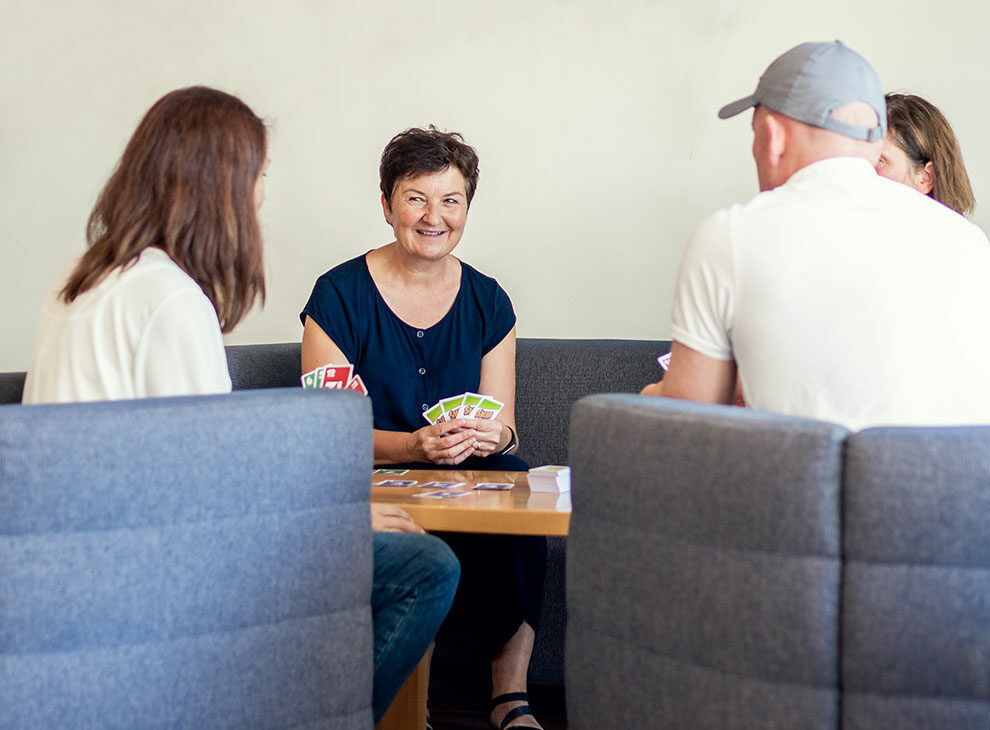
pixel 200 562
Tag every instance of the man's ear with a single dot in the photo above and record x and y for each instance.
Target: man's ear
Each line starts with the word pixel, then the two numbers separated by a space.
pixel 776 139
pixel 924 178
pixel 386 209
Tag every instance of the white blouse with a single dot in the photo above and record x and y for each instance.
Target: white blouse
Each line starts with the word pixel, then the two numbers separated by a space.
pixel 144 331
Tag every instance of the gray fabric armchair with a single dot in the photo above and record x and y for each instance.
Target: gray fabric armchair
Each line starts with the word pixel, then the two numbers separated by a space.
pixel 729 568
pixel 200 562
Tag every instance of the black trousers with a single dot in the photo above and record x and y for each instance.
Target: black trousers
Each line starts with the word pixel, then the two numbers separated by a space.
pixel 502 577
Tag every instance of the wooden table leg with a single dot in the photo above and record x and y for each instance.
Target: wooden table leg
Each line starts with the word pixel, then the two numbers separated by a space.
pixel 408 709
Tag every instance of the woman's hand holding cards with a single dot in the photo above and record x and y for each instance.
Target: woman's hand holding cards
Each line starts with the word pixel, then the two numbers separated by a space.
pixel 488 434
pixel 470 414
pixel 449 442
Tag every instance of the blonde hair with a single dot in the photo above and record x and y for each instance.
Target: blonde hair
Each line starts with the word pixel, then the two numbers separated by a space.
pixel 924 134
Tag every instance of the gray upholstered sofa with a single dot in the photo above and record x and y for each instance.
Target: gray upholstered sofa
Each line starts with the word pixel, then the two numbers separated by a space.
pixel 551 375
pixel 186 562
pixel 729 568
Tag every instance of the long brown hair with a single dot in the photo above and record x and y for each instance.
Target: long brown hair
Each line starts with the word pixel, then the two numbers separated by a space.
pixel 185 184
pixel 922 131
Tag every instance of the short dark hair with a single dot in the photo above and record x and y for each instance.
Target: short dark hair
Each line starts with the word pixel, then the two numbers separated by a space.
pixel 925 135
pixel 417 151
pixel 185 184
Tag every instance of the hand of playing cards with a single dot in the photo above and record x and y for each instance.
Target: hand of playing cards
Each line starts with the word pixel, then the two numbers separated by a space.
pixel 465 405
pixel 334 376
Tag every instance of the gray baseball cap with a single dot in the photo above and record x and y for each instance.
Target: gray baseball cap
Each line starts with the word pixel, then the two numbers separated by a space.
pixel 810 81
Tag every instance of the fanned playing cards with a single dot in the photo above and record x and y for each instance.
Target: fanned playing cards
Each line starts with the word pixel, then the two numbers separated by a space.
pixel 465 405
pixel 334 376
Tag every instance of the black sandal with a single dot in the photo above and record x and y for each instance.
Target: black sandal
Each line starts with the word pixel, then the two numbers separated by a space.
pixel 513 713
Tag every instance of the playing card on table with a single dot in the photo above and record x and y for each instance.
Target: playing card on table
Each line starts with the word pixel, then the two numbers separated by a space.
pixel 395 483
pixel 392 472
pixel 494 486
pixel 443 494
pixel 442 485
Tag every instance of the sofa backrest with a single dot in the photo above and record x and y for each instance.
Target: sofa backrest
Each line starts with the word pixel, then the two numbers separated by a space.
pixel 702 583
pixel 916 582
pixel 186 562
pixel 551 375
pixel 275 365
pixel 11 387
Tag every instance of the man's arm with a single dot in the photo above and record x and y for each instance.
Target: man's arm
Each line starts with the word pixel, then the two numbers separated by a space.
pixel 697 377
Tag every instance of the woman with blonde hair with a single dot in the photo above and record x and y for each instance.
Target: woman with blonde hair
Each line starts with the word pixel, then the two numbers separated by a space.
pixel 921 151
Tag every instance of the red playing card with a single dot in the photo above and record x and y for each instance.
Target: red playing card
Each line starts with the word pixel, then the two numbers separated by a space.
pixel 337 376
pixel 358 385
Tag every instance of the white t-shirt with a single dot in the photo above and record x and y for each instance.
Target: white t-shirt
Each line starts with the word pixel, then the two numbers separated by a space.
pixel 846 297
pixel 147 330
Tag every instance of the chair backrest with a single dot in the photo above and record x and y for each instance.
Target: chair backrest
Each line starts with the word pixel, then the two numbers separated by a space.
pixel 186 562
pixel 916 583
pixel 702 567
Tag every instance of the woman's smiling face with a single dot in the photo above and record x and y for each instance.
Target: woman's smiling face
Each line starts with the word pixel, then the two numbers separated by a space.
pixel 428 213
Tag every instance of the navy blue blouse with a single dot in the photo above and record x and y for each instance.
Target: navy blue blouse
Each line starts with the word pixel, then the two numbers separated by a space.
pixel 406 369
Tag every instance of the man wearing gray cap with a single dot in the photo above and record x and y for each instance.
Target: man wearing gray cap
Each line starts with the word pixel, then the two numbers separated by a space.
pixel 833 289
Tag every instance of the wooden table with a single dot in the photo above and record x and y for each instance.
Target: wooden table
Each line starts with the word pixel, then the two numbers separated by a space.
pixel 517 511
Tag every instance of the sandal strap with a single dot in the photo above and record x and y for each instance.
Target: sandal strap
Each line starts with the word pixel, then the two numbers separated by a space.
pixel 509 697
pixel 513 714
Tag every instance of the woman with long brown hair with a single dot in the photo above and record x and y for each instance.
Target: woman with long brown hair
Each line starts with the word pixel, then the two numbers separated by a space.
pixel 921 151
pixel 174 258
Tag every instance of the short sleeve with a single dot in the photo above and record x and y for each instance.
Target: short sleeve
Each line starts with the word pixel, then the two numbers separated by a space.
pixel 181 350
pixel 336 313
pixel 500 322
pixel 703 297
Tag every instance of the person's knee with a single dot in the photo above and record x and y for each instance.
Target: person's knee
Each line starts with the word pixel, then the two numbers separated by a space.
pixel 446 568
pixel 423 563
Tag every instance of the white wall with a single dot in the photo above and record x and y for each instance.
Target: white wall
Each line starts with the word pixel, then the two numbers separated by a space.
pixel 595 122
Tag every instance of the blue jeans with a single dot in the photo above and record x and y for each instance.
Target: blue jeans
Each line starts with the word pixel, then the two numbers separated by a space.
pixel 413 586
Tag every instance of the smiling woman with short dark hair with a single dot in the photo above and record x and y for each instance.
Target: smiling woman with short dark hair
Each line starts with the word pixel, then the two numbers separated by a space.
pixel 420 325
